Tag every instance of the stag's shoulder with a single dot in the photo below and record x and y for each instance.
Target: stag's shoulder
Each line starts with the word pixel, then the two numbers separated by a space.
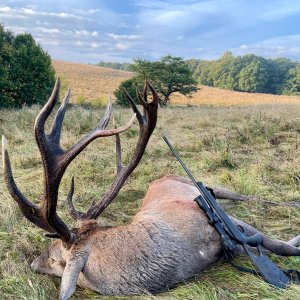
pixel 169 191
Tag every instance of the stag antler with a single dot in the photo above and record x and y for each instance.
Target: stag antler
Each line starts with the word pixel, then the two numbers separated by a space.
pixel 55 161
pixel 147 122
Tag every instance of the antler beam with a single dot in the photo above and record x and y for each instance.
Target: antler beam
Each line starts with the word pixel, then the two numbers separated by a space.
pixel 55 162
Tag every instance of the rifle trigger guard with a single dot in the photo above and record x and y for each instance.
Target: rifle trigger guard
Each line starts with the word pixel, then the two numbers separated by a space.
pixel 241 228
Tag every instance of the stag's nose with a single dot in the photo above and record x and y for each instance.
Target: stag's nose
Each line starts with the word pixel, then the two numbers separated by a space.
pixel 35 265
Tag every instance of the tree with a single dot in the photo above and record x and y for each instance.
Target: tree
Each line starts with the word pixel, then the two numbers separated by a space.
pixel 26 74
pixel 130 85
pixel 253 78
pixel 169 75
pixel 292 82
pixel 281 71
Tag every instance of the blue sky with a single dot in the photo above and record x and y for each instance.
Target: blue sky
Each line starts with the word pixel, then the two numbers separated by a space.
pixel 116 30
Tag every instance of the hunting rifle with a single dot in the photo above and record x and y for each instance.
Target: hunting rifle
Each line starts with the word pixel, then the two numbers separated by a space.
pixel 232 236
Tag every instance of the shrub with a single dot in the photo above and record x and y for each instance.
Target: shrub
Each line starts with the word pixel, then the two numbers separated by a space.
pixel 27 76
pixel 130 85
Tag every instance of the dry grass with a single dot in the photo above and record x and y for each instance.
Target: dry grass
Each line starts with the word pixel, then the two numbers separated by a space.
pixel 93 83
pixel 220 97
pixel 88 82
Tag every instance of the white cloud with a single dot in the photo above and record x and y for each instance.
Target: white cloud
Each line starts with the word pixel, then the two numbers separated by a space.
pixel 85 33
pixel 85 11
pixel 16 29
pixel 8 12
pixel 282 46
pixel 122 37
pixel 122 46
pixel 95 45
pixel 47 42
pixel 5 9
pixel 48 30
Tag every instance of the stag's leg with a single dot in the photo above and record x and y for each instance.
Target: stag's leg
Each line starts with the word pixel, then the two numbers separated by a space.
pixel 70 276
pixel 275 246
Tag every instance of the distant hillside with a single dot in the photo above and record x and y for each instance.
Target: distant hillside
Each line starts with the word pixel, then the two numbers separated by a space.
pixel 220 97
pixel 89 82
pixel 94 82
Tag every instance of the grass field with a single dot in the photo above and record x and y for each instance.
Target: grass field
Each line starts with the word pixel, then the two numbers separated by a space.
pixel 92 84
pixel 89 83
pixel 249 149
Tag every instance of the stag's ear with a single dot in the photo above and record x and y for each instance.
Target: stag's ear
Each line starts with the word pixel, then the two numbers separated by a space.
pixel 70 277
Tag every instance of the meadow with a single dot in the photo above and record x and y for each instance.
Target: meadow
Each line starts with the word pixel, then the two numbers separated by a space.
pixel 250 149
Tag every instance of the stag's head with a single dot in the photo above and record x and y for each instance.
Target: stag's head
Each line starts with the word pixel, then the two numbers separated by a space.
pixel 55 162
pixel 52 261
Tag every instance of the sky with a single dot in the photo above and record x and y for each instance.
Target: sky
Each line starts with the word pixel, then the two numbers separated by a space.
pixel 119 31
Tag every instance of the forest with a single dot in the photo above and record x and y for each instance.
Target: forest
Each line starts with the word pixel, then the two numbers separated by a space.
pixel 248 73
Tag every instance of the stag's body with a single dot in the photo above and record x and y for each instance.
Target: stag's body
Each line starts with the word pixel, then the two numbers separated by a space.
pixel 167 242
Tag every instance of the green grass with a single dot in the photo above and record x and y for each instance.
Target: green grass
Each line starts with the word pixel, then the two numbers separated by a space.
pixel 251 150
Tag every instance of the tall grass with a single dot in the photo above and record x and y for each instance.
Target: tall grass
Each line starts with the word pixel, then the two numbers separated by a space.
pixel 250 149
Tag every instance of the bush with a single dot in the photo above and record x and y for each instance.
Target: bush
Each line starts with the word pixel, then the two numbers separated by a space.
pixel 27 76
pixel 130 85
pixel 80 100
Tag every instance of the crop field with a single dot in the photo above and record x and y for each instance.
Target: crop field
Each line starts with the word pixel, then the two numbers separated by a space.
pixel 219 97
pixel 251 149
pixel 90 83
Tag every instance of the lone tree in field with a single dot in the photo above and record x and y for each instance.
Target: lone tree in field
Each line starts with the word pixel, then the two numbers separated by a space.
pixel 169 75
pixel 26 74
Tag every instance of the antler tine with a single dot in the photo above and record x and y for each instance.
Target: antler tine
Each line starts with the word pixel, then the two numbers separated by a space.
pixel 105 120
pixel 147 124
pixel 29 210
pixel 119 154
pixel 39 126
pixel 154 94
pixel 133 105
pixel 55 131
pixel 71 209
pixel 118 151
pixel 141 97
pixel 145 89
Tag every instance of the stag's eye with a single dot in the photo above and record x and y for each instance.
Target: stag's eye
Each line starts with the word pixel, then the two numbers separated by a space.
pixel 52 261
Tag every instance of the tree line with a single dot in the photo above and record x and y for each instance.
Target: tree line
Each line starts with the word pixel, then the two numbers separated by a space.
pixel 26 74
pixel 115 65
pixel 248 73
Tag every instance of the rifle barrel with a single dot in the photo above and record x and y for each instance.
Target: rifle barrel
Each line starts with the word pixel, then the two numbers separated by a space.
pixel 181 162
